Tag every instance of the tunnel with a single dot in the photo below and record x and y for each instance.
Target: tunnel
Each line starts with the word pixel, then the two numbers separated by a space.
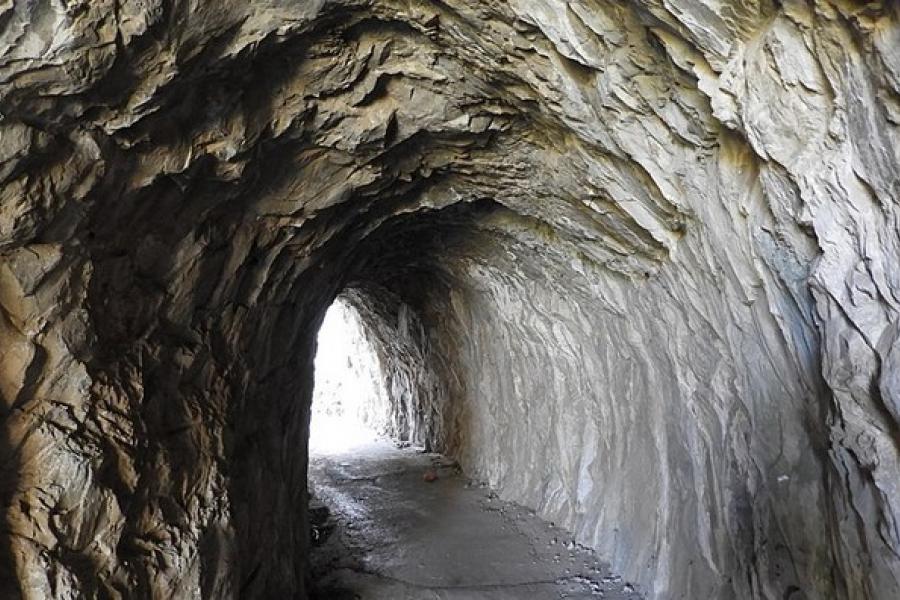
pixel 633 265
pixel 350 393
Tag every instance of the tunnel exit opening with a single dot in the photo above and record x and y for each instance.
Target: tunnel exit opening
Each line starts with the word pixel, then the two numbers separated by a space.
pixel 350 403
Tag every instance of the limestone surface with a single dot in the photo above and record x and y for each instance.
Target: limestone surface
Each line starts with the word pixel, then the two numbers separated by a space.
pixel 635 263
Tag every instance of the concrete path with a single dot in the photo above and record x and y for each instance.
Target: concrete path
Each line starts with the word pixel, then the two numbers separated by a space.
pixel 391 535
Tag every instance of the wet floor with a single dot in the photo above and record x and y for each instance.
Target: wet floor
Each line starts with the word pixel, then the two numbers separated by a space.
pixel 391 535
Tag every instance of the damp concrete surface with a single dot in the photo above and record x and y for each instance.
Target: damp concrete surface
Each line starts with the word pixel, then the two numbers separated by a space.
pixel 382 531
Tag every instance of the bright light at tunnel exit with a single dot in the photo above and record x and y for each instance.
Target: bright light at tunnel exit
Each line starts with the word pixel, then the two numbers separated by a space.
pixel 349 396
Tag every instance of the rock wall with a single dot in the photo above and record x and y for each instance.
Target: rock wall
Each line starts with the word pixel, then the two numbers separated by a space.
pixel 415 395
pixel 635 263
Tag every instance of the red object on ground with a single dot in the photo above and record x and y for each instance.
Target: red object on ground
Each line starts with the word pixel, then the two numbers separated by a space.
pixel 430 475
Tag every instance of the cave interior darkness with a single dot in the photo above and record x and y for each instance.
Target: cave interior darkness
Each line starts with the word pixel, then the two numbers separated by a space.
pixel 632 264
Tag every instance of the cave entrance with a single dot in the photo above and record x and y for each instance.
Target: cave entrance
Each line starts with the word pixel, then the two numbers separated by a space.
pixel 349 396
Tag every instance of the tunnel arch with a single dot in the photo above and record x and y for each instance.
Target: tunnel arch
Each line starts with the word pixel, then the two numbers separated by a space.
pixel 642 253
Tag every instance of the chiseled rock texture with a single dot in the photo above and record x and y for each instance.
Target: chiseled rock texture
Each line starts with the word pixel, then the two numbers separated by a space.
pixel 635 263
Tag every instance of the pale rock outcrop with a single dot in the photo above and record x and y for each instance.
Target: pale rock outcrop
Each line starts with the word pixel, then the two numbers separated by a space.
pixel 637 264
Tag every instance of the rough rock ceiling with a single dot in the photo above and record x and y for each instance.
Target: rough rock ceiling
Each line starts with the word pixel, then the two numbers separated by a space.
pixel 637 263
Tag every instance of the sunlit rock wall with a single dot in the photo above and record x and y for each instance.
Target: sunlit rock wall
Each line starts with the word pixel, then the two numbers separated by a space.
pixel 679 446
pixel 643 256
pixel 415 395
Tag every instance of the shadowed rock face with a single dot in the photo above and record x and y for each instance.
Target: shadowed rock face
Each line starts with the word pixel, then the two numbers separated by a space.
pixel 637 264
